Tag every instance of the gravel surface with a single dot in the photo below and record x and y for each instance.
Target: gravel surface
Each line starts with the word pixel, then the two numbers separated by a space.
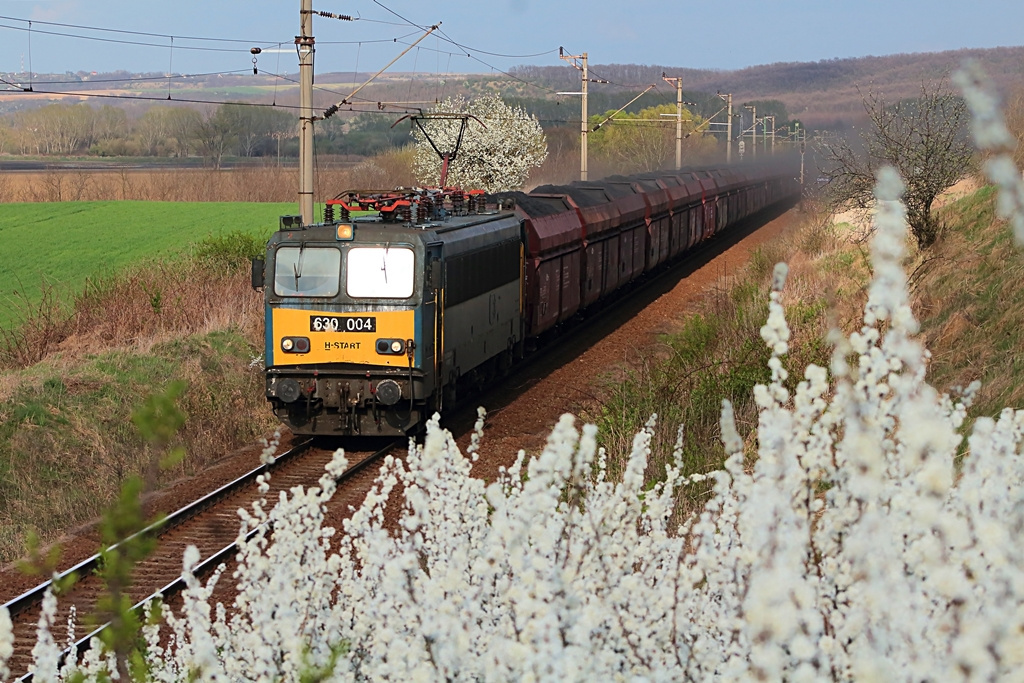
pixel 521 410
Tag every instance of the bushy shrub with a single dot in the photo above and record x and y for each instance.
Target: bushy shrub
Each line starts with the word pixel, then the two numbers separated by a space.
pixel 231 251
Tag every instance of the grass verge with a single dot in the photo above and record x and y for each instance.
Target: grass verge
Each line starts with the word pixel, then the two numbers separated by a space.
pixel 67 442
pixel 717 354
pixel 967 288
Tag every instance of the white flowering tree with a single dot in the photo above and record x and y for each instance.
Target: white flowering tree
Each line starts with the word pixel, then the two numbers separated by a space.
pixel 499 147
pixel 858 546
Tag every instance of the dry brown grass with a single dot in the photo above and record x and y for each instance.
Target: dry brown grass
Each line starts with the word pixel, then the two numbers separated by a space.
pixel 163 301
pixel 269 183
pixel 1014 112
pixel 136 309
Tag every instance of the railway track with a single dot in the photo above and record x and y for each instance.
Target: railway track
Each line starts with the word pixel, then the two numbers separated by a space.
pixel 210 523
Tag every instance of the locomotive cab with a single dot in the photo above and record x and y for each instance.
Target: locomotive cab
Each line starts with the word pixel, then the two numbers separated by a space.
pixel 372 321
pixel 346 339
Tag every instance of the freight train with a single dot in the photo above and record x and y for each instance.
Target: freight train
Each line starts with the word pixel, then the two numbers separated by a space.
pixel 379 315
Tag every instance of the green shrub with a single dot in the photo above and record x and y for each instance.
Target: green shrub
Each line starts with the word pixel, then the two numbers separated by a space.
pixel 230 251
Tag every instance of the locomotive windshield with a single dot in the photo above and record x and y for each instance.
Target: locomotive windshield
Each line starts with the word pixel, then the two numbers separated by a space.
pixel 380 272
pixel 307 271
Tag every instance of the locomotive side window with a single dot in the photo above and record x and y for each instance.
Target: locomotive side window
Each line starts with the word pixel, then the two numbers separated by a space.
pixel 307 271
pixel 380 272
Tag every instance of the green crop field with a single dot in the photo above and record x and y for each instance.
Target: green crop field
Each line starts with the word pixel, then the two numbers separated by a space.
pixel 63 244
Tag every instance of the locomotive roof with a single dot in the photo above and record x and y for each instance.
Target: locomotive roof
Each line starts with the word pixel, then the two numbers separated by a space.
pixel 457 232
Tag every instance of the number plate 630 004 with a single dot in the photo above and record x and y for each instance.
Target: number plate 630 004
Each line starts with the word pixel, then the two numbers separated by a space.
pixel 337 323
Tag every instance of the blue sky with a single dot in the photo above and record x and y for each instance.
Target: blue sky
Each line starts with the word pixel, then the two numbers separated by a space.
pixel 681 33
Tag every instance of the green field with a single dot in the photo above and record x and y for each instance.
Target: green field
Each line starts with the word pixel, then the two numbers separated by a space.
pixel 63 244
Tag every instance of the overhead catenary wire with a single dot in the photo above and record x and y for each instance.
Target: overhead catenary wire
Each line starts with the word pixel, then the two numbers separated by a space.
pixel 386 108
pixel 144 79
pixel 30 55
pixel 180 41
pixel 265 44
pixel 612 115
pixel 356 104
pixel 170 68
pixel 334 108
pixel 119 41
pixel 467 50
pixel 112 96
pixel 129 32
pixel 277 81
pixel 461 47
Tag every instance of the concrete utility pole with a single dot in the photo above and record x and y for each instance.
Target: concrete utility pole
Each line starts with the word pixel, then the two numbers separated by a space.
pixel 753 129
pixel 679 116
pixel 764 120
pixel 585 113
pixel 304 46
pixel 728 127
pixel 583 91
pixel 802 137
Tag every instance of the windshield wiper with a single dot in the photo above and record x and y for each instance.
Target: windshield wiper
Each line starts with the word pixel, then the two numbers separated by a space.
pixel 384 260
pixel 297 266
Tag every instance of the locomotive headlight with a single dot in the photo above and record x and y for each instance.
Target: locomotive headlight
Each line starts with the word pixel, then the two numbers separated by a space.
pixel 295 344
pixel 389 347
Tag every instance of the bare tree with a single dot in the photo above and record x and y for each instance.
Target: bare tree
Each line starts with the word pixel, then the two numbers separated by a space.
pixel 106 123
pixel 214 136
pixel 241 123
pixel 925 139
pixel 183 124
pixel 60 128
pixel 153 129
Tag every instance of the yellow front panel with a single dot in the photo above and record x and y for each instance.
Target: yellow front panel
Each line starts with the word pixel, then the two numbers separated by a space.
pixel 341 346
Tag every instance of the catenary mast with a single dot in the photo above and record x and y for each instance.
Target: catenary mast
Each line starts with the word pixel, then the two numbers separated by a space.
pixel 304 45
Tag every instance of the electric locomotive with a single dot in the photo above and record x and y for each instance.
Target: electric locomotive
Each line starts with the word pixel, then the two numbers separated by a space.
pixel 371 316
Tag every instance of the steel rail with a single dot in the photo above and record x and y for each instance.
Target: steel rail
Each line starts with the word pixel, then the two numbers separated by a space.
pixel 82 644
pixel 35 595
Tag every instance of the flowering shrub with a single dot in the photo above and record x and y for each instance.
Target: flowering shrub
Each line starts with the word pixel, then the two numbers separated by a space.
pixel 858 546
pixel 498 148
pixel 6 641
